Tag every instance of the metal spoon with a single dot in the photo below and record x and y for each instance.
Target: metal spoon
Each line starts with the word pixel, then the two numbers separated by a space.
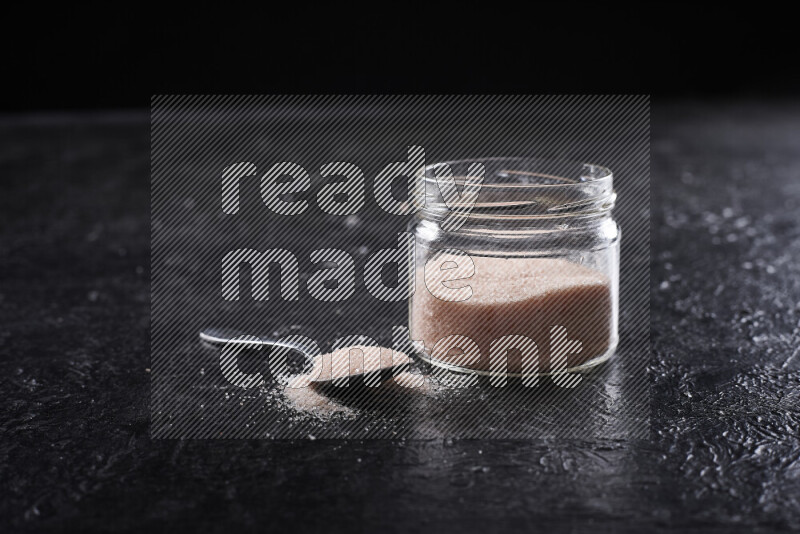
pixel 219 337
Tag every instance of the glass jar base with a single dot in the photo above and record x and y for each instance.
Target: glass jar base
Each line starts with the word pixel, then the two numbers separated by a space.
pixel 457 369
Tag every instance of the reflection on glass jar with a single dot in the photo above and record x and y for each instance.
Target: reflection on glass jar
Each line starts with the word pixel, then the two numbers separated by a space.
pixel 522 280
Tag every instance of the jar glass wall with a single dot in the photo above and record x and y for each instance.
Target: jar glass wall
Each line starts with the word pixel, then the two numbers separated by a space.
pixel 522 281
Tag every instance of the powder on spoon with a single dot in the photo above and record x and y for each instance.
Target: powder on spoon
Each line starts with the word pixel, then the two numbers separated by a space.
pixel 355 360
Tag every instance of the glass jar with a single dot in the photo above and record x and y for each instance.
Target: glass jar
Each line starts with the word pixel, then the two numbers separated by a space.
pixel 522 278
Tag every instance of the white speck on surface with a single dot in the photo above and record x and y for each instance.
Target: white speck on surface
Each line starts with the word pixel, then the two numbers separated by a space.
pixel 352 221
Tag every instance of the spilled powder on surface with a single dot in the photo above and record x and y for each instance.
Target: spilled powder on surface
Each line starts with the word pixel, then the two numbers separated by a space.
pixel 406 383
pixel 305 397
pixel 304 394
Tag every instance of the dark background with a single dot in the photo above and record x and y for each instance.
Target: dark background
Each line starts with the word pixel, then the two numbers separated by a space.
pixel 91 56
pixel 75 447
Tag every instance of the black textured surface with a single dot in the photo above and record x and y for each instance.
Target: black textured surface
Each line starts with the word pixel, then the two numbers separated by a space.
pixel 724 451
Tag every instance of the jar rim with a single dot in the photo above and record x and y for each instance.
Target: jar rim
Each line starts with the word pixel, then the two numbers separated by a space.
pixel 595 173
pixel 521 188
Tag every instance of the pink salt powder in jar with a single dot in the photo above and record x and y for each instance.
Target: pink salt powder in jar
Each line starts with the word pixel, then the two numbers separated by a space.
pixel 526 282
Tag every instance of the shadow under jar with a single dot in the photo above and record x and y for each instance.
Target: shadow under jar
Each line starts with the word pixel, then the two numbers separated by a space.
pixel 530 274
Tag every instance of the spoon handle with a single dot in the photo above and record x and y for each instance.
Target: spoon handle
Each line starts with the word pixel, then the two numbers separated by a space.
pixel 219 337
